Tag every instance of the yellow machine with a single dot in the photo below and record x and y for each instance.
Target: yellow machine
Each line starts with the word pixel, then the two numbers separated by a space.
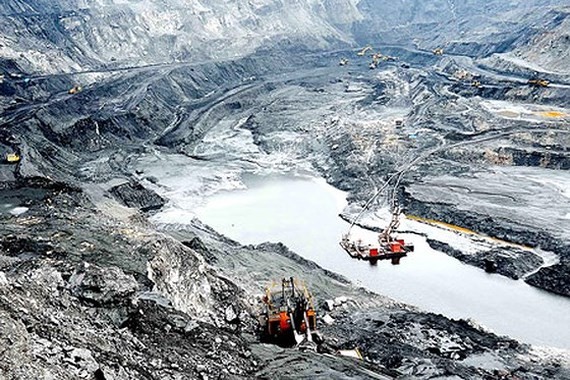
pixel 362 52
pixel 538 82
pixel 12 158
pixel 75 90
pixel 438 51
pixel 343 62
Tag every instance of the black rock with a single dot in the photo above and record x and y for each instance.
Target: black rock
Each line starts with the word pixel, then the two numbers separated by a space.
pixel 135 195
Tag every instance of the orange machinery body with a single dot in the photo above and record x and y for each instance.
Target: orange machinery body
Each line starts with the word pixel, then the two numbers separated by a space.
pixel 392 250
pixel 287 312
pixel 281 323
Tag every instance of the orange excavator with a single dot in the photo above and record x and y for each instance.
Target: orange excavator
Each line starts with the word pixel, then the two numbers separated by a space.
pixel 289 317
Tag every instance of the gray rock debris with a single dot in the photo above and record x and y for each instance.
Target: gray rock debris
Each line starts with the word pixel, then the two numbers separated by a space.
pixel 339 301
pixel 328 305
pixel 84 359
pixel 102 286
pixel 231 315
pixel 3 280
pixel 328 319
pixel 135 195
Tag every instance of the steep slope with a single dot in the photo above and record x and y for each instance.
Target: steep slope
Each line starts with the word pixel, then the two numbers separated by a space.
pixel 546 51
pixel 71 35
pixel 64 36
pixel 471 27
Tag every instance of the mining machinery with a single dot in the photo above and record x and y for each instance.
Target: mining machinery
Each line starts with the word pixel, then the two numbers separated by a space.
pixel 539 82
pixel 75 90
pixel 288 317
pixel 389 247
pixel 12 158
pixel 438 51
pixel 364 50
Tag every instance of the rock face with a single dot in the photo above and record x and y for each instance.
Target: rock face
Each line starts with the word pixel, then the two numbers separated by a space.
pixel 102 285
pixel 183 276
pixel 133 194
pixel 114 33
pixel 545 52
pixel 549 236
pixel 553 279
pixel 513 263
pixel 71 309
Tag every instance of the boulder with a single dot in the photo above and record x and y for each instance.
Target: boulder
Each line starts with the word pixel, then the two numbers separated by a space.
pixel 103 285
pixel 328 319
pixel 328 305
pixel 135 195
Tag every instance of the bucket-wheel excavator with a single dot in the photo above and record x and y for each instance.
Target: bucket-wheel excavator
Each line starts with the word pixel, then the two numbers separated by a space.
pixel 289 317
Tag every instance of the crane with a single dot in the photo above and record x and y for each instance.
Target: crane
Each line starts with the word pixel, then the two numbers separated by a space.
pixel 389 247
